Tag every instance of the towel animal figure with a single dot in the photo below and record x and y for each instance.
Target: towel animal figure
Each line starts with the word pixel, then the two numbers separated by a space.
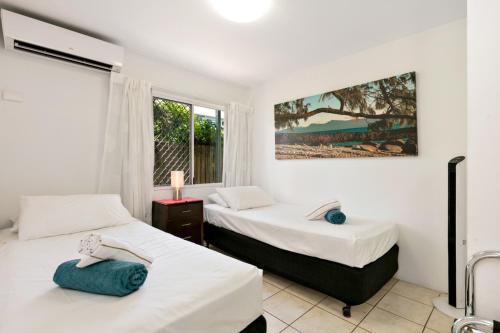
pixel 96 248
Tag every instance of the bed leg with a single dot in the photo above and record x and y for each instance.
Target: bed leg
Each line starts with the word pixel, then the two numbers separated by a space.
pixel 346 311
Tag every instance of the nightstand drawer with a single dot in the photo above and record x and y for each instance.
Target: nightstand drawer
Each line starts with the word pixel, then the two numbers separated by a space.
pixel 180 212
pixel 182 224
pixel 190 233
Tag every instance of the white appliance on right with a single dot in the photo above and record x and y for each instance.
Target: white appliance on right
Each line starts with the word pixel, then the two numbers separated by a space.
pixel 454 303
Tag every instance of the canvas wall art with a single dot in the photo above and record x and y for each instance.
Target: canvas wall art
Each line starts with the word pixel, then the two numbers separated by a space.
pixel 374 119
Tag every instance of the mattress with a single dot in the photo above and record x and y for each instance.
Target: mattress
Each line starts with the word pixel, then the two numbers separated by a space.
pixel 356 243
pixel 189 288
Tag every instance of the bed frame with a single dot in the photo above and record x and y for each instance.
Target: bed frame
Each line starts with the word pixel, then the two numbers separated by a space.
pixel 259 325
pixel 350 285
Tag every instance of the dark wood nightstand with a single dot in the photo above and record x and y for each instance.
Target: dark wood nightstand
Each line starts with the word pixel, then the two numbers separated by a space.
pixel 182 218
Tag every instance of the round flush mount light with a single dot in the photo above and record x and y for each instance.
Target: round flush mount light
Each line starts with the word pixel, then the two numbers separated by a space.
pixel 241 11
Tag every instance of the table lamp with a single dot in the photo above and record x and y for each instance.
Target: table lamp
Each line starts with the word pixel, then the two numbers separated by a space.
pixel 177 182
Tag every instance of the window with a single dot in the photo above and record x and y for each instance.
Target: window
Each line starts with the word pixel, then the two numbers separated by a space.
pixel 188 137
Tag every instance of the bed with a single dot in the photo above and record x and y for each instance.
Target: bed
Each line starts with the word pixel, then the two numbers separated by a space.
pixel 350 262
pixel 189 288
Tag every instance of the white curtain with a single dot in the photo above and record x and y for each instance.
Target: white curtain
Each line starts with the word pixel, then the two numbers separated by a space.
pixel 128 156
pixel 237 145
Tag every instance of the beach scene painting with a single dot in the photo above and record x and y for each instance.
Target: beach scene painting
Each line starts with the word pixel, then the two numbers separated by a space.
pixel 373 119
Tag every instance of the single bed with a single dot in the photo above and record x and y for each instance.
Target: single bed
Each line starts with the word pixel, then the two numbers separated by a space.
pixel 189 289
pixel 350 262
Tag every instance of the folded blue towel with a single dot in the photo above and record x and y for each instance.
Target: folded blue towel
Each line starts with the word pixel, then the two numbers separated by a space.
pixel 109 277
pixel 335 216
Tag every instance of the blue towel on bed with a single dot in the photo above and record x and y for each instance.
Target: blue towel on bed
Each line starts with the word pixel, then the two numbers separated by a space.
pixel 109 277
pixel 335 216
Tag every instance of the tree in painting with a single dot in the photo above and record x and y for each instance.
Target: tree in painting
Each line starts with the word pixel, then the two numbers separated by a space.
pixel 378 118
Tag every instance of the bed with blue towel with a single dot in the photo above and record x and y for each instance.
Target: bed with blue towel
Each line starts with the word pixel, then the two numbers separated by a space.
pixel 355 243
pixel 169 299
pixel 349 258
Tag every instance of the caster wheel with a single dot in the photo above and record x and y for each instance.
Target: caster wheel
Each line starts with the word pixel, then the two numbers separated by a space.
pixel 346 311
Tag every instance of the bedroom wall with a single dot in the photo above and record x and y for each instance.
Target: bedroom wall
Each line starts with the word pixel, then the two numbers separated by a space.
pixel 51 142
pixel 483 118
pixel 410 191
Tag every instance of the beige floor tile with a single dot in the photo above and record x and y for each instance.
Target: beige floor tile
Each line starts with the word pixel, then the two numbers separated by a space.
pixel 427 330
pixel 307 294
pixel 360 330
pixel 286 307
pixel 380 321
pixel 268 290
pixel 290 329
pixel 416 293
pixel 335 306
pixel 276 280
pixel 440 322
pixel 274 325
pixel 320 321
pixel 377 297
pixel 406 308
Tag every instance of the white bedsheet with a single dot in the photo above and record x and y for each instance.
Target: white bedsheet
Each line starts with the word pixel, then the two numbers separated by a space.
pixel 356 243
pixel 188 289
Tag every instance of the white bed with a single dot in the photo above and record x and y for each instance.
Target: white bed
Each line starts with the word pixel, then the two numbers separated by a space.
pixel 188 289
pixel 356 243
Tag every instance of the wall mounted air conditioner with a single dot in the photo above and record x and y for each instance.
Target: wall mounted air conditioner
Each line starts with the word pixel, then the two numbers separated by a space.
pixel 22 33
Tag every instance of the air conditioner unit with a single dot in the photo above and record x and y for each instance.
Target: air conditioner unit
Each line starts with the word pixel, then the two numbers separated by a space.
pixel 22 33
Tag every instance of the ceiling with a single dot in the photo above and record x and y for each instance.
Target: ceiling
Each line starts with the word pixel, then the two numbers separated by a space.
pixel 294 34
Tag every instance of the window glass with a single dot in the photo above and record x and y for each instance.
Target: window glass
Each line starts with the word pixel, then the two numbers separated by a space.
pixel 188 138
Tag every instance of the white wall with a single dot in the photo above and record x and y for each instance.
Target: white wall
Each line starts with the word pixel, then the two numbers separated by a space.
pixel 411 191
pixel 51 143
pixel 483 119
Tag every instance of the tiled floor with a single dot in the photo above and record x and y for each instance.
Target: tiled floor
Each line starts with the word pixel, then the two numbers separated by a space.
pixel 399 307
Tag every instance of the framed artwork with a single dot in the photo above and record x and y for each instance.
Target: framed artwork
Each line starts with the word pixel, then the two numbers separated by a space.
pixel 373 119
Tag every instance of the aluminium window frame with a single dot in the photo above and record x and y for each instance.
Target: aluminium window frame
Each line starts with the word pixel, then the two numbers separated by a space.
pixel 160 93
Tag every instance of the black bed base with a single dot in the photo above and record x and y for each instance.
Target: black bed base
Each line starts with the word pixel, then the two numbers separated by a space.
pixel 350 285
pixel 259 325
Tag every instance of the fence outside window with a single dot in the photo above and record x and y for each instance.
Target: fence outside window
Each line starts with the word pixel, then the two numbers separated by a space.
pixel 188 137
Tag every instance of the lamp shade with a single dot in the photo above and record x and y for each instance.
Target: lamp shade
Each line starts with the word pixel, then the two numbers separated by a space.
pixel 177 179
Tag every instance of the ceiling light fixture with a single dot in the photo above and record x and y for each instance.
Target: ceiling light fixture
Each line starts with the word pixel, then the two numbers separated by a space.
pixel 241 11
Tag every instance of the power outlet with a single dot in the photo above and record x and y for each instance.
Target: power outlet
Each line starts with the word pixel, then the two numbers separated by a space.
pixel 11 96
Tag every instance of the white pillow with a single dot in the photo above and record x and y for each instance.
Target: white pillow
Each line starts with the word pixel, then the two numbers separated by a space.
pixel 215 197
pixel 42 216
pixel 244 197
pixel 319 212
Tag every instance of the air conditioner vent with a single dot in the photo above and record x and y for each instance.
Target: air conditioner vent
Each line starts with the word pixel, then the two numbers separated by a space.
pixel 36 49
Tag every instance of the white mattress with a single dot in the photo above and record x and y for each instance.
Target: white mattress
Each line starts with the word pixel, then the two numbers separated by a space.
pixel 356 243
pixel 189 288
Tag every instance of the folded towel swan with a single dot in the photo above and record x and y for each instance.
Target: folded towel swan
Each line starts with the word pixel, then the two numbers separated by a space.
pixel 97 248
pixel 319 212
pixel 109 277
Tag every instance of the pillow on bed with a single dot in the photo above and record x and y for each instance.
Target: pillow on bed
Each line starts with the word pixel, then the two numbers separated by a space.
pixel 319 212
pixel 42 216
pixel 215 197
pixel 245 197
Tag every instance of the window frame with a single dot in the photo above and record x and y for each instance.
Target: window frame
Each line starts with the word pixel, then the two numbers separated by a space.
pixel 159 93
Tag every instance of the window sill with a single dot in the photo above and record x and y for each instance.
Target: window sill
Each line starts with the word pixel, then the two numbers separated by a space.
pixel 195 186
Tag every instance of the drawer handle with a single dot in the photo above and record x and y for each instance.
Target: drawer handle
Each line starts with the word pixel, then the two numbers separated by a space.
pixel 186 211
pixel 186 224
pixel 187 237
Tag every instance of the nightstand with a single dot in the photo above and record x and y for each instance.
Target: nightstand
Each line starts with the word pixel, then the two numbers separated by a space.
pixel 182 218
